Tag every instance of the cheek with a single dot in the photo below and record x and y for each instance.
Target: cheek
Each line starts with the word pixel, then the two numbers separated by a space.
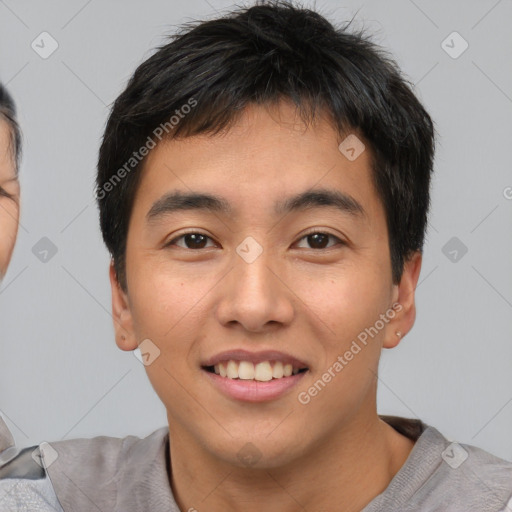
pixel 351 347
pixel 166 301
pixel 8 228
pixel 164 309
pixel 346 301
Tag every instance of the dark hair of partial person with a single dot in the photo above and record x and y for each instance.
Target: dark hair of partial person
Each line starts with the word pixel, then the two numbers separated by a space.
pixel 270 51
pixel 8 114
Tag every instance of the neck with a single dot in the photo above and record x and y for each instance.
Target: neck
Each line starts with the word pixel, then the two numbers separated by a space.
pixel 343 472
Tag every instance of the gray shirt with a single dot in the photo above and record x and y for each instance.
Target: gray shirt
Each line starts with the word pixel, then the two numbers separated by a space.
pixel 132 475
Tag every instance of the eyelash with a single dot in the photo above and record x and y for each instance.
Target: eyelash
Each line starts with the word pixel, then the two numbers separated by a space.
pixel 312 232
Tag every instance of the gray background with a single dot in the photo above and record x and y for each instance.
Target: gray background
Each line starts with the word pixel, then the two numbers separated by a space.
pixel 61 374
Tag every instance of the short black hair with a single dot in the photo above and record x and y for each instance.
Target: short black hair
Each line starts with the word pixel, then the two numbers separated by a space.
pixel 8 114
pixel 272 51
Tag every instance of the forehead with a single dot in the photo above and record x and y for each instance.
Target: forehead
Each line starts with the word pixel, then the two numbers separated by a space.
pixel 266 156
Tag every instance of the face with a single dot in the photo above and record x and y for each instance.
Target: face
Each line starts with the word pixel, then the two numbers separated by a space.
pixel 9 208
pixel 286 263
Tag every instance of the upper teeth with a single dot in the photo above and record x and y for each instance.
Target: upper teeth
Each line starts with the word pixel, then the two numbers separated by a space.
pixel 264 371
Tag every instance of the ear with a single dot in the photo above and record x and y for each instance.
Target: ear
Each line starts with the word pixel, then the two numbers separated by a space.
pixel 404 299
pixel 121 313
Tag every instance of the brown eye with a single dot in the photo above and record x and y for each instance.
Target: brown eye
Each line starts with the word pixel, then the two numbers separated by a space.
pixel 191 241
pixel 319 240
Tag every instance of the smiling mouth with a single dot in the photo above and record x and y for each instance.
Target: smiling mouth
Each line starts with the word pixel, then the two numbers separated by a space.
pixel 264 371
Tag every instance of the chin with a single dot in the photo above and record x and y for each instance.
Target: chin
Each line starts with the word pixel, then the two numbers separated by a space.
pixel 258 451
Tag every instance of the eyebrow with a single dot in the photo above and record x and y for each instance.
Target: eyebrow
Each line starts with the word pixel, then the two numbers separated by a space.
pixel 320 197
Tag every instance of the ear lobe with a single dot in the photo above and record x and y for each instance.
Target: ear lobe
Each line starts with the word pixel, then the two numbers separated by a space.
pixel 405 299
pixel 121 314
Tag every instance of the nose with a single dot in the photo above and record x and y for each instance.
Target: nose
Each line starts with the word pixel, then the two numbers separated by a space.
pixel 255 295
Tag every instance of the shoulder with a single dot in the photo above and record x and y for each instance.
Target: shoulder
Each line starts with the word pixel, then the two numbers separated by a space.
pixel 24 482
pixel 463 477
pixel 104 453
pixel 479 477
pixel 444 476
pixel 77 474
pixel 91 472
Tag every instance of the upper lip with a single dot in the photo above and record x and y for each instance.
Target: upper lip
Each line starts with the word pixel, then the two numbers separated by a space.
pixel 255 357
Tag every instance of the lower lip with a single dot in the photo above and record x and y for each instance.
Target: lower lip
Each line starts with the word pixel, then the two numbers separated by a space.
pixel 252 390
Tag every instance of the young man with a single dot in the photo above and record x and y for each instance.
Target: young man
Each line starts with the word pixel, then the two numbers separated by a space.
pixel 263 186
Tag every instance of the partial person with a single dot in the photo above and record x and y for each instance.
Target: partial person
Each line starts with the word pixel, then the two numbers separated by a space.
pixel 24 483
pixel 10 149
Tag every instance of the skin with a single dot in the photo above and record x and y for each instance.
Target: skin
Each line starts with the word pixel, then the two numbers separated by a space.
pixel 9 208
pixel 333 453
